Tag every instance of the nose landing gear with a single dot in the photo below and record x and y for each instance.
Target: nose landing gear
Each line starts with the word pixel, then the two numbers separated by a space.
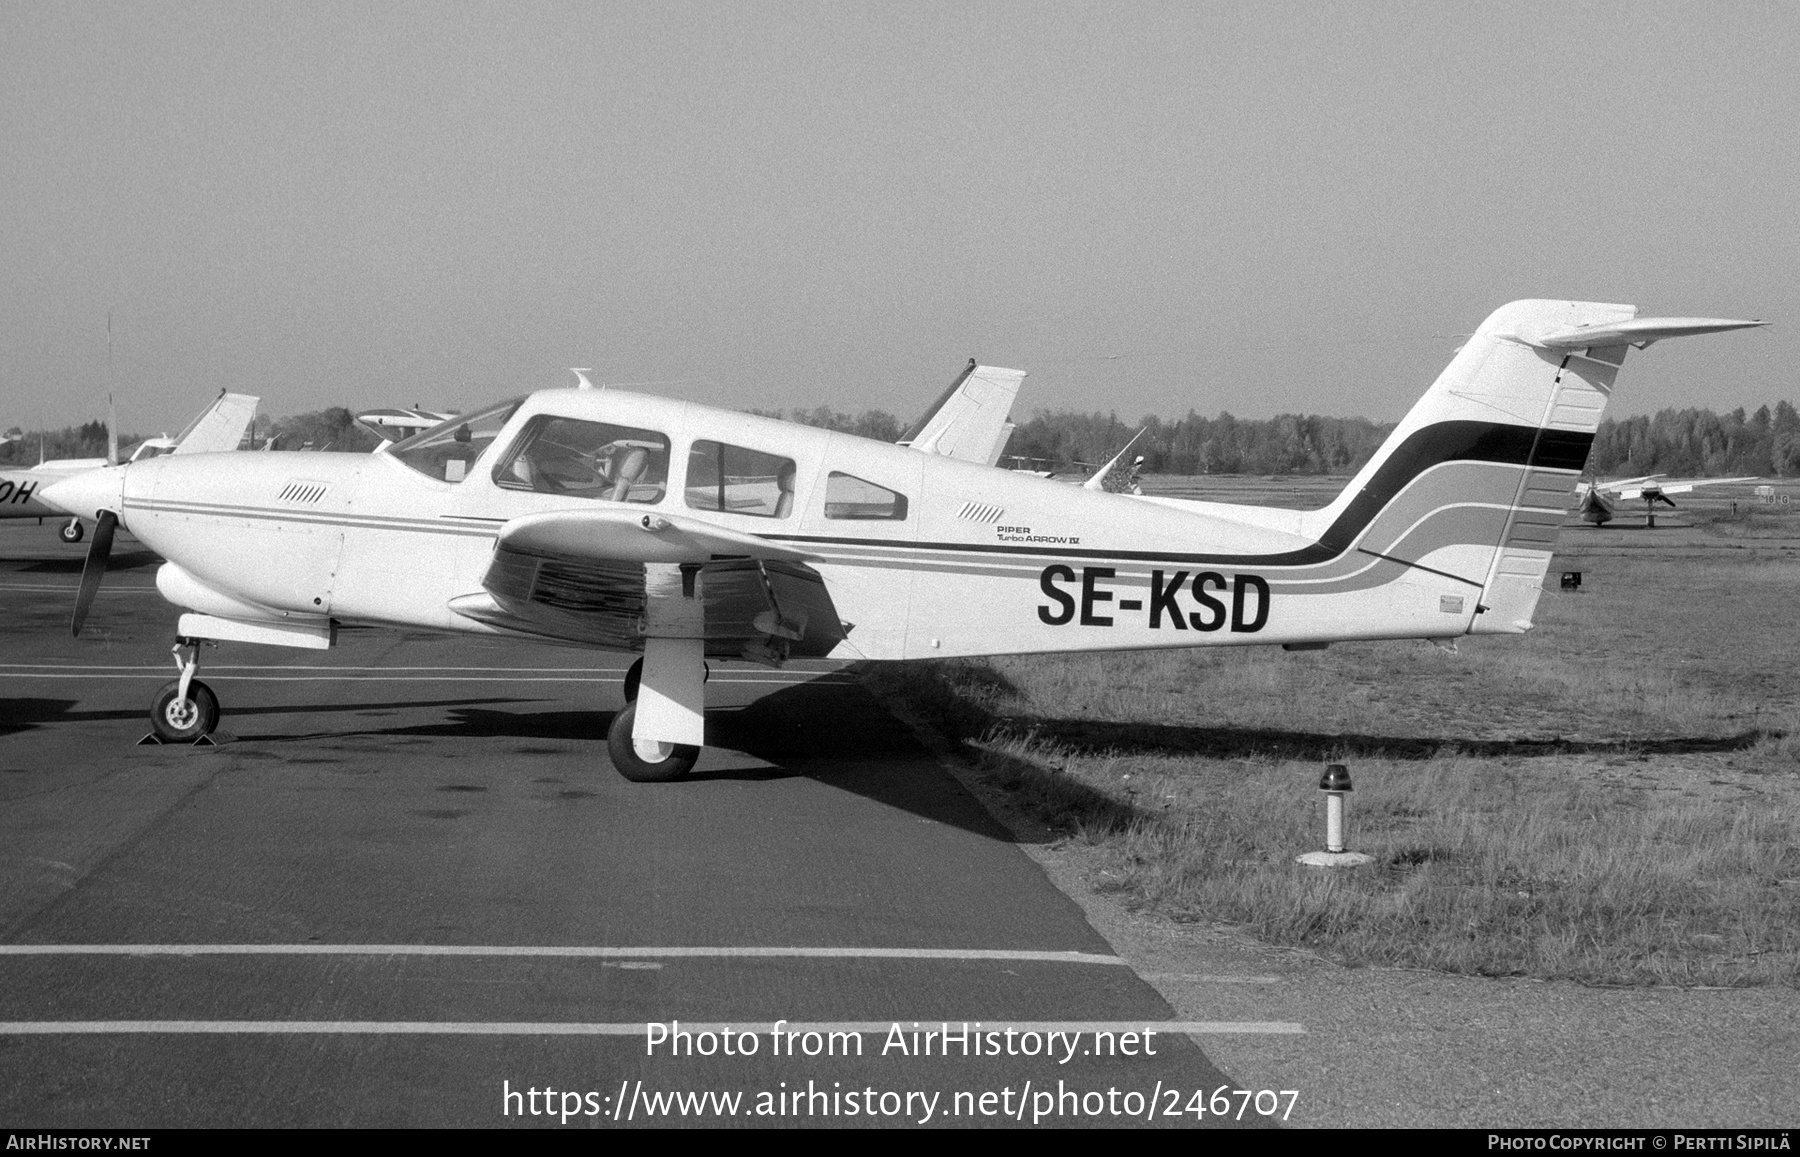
pixel 185 710
pixel 71 531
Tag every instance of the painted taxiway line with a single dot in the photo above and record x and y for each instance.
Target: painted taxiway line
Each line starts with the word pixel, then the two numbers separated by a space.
pixel 212 678
pixel 591 951
pixel 111 590
pixel 227 672
pixel 1068 1028
pixel 797 673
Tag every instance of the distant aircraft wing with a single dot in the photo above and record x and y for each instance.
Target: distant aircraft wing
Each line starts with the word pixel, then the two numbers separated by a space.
pixel 220 427
pixel 578 576
pixel 969 420
pixel 1617 485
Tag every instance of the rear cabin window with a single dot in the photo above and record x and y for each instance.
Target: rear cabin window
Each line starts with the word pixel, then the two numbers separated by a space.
pixel 847 496
pixel 587 460
pixel 738 480
pixel 448 449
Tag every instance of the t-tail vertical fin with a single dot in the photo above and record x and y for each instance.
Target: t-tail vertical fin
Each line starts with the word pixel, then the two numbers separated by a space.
pixel 1476 480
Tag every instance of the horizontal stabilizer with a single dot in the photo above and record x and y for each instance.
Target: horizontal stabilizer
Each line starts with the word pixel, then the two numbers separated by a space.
pixel 1638 332
pixel 624 536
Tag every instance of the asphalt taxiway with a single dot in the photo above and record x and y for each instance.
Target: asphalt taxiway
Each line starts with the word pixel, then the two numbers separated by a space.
pixel 409 884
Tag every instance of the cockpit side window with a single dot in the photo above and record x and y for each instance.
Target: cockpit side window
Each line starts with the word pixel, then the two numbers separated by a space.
pixel 737 480
pixel 446 451
pixel 587 460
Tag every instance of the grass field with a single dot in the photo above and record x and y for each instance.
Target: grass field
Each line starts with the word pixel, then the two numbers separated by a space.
pixel 1613 798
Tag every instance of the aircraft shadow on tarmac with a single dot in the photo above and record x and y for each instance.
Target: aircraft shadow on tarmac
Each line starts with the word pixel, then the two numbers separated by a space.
pixel 792 732
pixel 72 564
pixel 25 714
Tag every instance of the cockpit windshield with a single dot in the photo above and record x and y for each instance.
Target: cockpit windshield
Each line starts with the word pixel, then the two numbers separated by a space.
pixel 448 449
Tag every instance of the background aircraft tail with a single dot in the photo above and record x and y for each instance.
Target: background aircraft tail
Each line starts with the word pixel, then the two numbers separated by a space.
pixel 1475 481
pixel 220 427
pixel 969 420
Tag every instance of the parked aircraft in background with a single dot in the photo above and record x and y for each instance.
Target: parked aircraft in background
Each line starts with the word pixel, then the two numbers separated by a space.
pixel 1593 504
pixel 219 427
pixel 630 523
pixel 969 421
pixel 395 425
pixel 1127 481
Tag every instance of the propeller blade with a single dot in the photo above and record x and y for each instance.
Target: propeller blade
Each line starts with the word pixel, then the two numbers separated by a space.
pixel 94 569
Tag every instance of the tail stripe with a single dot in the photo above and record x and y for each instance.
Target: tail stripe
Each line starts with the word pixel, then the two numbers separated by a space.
pixel 1457 441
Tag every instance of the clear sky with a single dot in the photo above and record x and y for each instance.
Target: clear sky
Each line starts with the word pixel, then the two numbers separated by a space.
pixel 1257 208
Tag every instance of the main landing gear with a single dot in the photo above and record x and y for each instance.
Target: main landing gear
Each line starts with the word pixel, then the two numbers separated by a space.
pixel 646 760
pixel 185 710
pixel 71 531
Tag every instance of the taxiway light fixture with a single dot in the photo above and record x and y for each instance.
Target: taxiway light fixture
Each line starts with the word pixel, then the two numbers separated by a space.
pixel 1335 783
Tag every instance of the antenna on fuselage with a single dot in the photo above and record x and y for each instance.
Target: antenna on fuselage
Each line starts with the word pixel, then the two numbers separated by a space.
pixel 112 412
pixel 581 378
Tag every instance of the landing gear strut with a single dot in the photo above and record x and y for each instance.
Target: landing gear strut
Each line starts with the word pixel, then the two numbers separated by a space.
pixel 634 676
pixel 185 709
pixel 658 736
pixel 71 531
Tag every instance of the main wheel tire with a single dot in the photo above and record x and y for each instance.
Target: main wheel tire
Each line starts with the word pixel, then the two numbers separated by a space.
pixel 184 720
pixel 643 762
pixel 71 532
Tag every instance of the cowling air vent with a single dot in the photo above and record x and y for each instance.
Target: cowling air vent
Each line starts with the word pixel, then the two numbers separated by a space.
pixel 980 512
pixel 302 493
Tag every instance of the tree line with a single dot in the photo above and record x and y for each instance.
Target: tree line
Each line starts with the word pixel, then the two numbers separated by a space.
pixel 1691 442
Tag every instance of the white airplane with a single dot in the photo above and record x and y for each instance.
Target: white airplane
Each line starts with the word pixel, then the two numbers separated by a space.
pixel 1593 505
pixel 218 427
pixel 630 523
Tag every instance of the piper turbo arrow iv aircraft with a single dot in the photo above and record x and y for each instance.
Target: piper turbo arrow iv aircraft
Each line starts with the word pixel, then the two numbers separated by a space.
pixel 631 523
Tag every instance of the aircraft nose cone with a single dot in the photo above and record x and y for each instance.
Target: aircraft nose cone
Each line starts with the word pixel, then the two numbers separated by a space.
pixel 86 494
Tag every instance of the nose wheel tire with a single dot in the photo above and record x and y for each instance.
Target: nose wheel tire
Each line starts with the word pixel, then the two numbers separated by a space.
pixel 178 720
pixel 71 531
pixel 643 761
